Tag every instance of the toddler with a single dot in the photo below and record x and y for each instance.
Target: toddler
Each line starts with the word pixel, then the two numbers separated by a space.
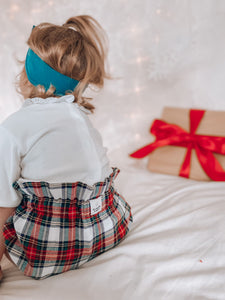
pixel 58 205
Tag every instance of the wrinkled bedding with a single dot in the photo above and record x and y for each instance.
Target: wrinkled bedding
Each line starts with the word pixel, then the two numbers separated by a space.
pixel 175 249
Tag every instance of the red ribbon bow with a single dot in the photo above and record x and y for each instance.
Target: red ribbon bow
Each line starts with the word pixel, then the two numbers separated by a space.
pixel 170 134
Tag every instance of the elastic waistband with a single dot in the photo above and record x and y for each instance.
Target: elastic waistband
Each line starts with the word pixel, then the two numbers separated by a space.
pixel 65 191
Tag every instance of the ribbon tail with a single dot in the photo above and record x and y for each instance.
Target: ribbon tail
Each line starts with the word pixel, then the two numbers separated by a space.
pixel 186 166
pixel 150 148
pixel 144 151
pixel 210 164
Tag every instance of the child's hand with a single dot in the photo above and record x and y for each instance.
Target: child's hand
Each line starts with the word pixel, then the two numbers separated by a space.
pixel 1 274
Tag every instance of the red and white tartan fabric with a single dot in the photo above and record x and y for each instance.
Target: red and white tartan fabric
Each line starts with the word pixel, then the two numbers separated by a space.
pixel 59 227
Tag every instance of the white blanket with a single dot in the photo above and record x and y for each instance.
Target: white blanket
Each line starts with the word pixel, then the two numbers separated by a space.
pixel 162 53
pixel 175 249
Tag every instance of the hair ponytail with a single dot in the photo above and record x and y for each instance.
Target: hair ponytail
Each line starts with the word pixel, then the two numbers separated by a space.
pixel 94 43
pixel 79 54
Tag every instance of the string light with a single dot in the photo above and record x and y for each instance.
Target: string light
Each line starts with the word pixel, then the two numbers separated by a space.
pixel 157 39
pixel 36 10
pixel 50 3
pixel 137 89
pixel 137 136
pixel 134 116
pixel 133 29
pixel 14 8
pixel 141 59
pixel 158 11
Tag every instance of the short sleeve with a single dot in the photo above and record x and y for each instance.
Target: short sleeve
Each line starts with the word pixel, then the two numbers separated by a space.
pixel 9 169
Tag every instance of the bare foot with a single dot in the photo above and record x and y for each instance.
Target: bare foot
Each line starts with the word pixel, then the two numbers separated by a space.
pixel 1 274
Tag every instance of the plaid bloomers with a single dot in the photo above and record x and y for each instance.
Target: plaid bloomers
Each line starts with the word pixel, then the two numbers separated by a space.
pixel 59 226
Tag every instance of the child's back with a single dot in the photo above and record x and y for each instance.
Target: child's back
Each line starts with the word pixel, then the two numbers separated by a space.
pixel 55 141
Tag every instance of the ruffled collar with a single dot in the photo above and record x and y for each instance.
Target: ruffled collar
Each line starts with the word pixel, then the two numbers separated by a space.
pixel 51 100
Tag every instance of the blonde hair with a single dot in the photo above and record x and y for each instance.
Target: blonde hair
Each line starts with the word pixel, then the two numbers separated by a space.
pixel 79 54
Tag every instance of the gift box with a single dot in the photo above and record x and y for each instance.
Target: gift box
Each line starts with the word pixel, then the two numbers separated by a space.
pixel 189 143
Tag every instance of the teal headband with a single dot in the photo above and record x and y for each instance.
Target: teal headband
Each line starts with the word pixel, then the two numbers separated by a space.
pixel 40 73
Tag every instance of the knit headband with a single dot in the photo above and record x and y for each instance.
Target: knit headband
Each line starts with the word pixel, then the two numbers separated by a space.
pixel 40 73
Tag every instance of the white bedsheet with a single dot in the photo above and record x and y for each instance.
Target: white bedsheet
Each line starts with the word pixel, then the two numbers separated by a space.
pixel 175 249
pixel 162 53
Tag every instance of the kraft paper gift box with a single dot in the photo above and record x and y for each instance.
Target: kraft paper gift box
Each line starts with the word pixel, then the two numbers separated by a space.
pixel 189 143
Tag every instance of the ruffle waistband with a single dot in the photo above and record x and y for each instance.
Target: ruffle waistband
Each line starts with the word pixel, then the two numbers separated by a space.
pixel 65 191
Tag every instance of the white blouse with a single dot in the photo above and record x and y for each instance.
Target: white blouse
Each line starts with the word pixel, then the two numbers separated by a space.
pixel 49 140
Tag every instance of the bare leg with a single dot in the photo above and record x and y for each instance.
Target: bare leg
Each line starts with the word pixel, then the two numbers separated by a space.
pixel 5 212
pixel 8 256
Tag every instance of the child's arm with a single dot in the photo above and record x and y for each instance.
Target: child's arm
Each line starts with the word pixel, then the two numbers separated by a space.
pixel 5 212
pixel 10 158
